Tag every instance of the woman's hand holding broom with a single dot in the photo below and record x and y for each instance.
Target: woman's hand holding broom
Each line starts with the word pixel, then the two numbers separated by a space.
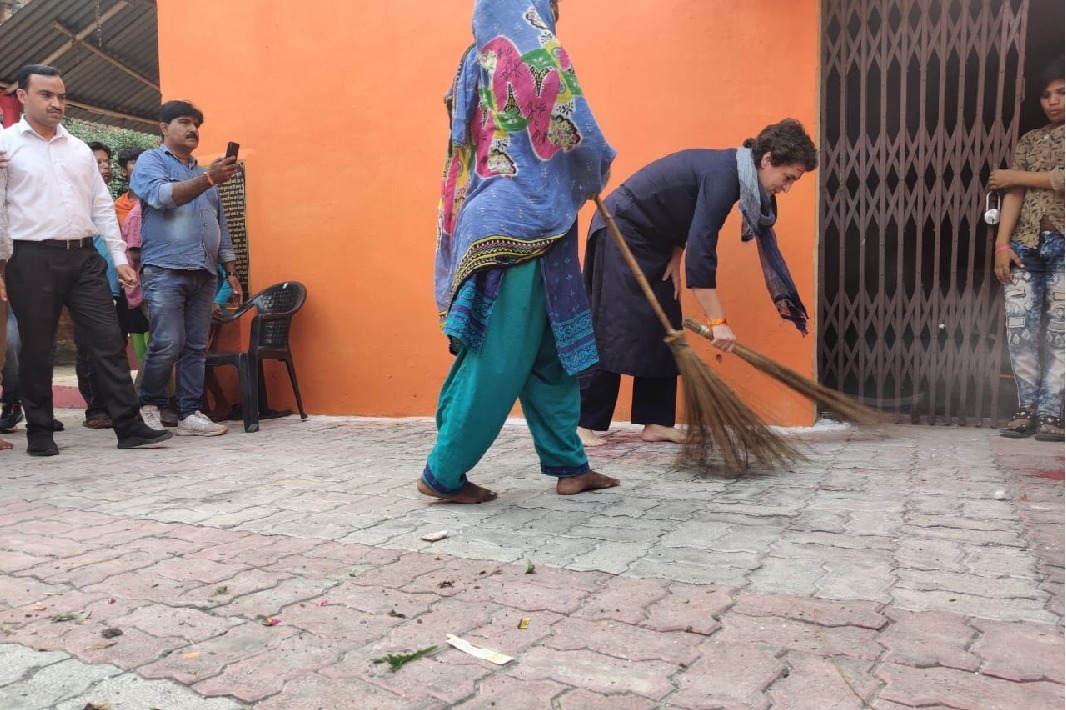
pixel 719 332
pixel 722 335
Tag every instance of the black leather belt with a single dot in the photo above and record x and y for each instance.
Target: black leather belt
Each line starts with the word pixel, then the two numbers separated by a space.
pixel 58 243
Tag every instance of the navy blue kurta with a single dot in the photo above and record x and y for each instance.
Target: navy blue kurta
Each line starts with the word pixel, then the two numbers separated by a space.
pixel 680 200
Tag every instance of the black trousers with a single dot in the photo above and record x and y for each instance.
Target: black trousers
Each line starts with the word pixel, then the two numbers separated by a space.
pixel 83 368
pixel 654 400
pixel 41 279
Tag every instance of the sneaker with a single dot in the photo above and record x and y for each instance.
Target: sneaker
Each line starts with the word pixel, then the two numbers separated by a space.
pixel 196 424
pixel 150 415
pixel 10 416
pixel 145 438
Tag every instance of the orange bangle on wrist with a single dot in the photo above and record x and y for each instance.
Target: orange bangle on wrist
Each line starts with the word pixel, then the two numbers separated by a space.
pixel 1005 247
pixel 210 182
pixel 716 321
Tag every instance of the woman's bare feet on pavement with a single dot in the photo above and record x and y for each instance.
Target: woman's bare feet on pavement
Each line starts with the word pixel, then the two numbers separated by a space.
pixel 4 445
pixel 658 432
pixel 589 437
pixel 588 481
pixel 470 494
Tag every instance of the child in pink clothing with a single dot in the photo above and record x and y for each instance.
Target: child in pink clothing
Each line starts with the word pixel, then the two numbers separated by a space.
pixel 131 234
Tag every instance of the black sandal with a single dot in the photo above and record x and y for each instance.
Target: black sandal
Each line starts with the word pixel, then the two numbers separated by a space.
pixel 1022 425
pixel 1049 429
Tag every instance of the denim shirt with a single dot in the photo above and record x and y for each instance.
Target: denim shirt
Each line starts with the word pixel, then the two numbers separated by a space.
pixel 112 272
pixel 190 236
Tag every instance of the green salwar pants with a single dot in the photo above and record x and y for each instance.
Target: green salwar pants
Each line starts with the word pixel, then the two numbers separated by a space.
pixel 518 360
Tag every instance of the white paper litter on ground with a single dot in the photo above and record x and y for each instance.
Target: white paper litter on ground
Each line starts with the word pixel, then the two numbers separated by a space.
pixel 482 653
pixel 434 537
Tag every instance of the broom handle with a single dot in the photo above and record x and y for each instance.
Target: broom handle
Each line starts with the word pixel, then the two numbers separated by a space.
pixel 638 273
pixel 698 328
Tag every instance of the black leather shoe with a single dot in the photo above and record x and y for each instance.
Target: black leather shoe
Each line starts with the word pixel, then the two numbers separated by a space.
pixel 57 425
pixel 145 438
pixel 43 449
pixel 10 416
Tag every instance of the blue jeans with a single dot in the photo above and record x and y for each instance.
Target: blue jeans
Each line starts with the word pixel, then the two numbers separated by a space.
pixel 1034 305
pixel 179 314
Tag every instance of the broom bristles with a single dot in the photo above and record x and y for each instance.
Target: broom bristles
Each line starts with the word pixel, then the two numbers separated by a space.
pixel 842 405
pixel 717 418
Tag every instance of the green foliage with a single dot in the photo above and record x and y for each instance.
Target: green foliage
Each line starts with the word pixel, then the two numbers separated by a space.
pixel 396 660
pixel 114 138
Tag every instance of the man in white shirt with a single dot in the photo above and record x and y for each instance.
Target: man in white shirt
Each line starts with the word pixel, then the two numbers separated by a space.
pixel 52 203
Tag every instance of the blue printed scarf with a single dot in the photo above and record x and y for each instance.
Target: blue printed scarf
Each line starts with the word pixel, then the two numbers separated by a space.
pixel 759 212
pixel 524 154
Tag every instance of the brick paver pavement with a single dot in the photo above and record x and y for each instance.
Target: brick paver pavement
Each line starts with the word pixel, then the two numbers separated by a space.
pixel 884 572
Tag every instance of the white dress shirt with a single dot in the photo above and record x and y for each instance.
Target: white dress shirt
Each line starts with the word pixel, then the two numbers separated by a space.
pixel 52 189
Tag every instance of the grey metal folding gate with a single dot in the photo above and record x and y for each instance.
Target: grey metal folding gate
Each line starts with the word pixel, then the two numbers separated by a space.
pixel 920 101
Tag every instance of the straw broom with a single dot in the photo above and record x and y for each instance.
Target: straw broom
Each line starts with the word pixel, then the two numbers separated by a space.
pixel 845 407
pixel 716 416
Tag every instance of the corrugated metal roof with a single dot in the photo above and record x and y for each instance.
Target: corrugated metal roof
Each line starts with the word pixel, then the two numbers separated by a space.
pixel 97 89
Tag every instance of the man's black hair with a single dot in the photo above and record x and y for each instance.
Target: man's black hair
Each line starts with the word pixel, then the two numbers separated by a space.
pixel 127 154
pixel 96 145
pixel 28 70
pixel 176 109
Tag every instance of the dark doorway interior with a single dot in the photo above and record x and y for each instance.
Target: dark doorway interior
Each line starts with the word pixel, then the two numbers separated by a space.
pixel 1044 42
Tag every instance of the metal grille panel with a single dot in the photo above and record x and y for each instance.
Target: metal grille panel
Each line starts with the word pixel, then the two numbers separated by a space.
pixel 921 101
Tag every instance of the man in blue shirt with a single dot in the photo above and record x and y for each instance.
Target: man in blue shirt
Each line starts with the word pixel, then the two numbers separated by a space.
pixel 184 238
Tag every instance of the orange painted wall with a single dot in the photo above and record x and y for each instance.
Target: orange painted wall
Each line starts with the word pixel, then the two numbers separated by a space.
pixel 337 106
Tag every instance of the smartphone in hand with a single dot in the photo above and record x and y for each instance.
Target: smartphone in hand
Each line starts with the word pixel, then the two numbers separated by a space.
pixel 231 149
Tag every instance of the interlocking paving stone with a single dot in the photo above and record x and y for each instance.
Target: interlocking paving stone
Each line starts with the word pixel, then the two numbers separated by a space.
pixel 1019 651
pixel 820 683
pixel 882 573
pixel 729 675
pixel 18 661
pixel 955 688
pixel 44 687
pixel 129 691
pixel 929 639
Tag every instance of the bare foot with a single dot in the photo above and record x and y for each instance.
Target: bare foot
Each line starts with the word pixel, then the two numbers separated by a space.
pixel 658 432
pixel 470 494
pixel 5 445
pixel 589 437
pixel 588 481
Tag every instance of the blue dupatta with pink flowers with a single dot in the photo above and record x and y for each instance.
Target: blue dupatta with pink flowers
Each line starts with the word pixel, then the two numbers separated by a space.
pixel 524 154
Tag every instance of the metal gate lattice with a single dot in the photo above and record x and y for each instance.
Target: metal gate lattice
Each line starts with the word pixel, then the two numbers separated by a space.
pixel 920 101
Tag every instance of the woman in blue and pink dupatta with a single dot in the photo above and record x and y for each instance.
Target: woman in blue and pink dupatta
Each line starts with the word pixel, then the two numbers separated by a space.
pixel 525 153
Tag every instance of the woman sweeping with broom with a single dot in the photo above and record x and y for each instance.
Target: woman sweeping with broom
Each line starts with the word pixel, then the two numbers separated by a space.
pixel 674 204
pixel 525 153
